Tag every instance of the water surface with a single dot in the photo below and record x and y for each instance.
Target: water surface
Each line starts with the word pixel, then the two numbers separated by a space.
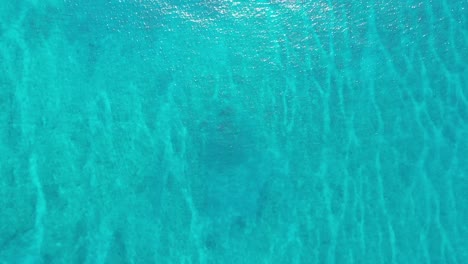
pixel 217 131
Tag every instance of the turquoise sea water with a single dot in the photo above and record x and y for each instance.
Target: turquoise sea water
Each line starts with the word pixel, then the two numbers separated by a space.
pixel 217 131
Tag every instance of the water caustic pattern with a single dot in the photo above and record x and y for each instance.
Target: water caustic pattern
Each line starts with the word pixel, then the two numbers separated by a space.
pixel 233 132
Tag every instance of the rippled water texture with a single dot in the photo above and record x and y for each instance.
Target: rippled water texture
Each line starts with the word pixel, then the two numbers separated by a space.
pixel 217 131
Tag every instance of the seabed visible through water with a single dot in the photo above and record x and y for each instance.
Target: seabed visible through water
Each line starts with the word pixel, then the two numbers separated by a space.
pixel 218 131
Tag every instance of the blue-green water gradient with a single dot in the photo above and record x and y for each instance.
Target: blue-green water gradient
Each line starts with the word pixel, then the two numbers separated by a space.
pixel 215 131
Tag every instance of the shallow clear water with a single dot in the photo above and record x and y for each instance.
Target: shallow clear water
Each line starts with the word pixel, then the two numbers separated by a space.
pixel 233 132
